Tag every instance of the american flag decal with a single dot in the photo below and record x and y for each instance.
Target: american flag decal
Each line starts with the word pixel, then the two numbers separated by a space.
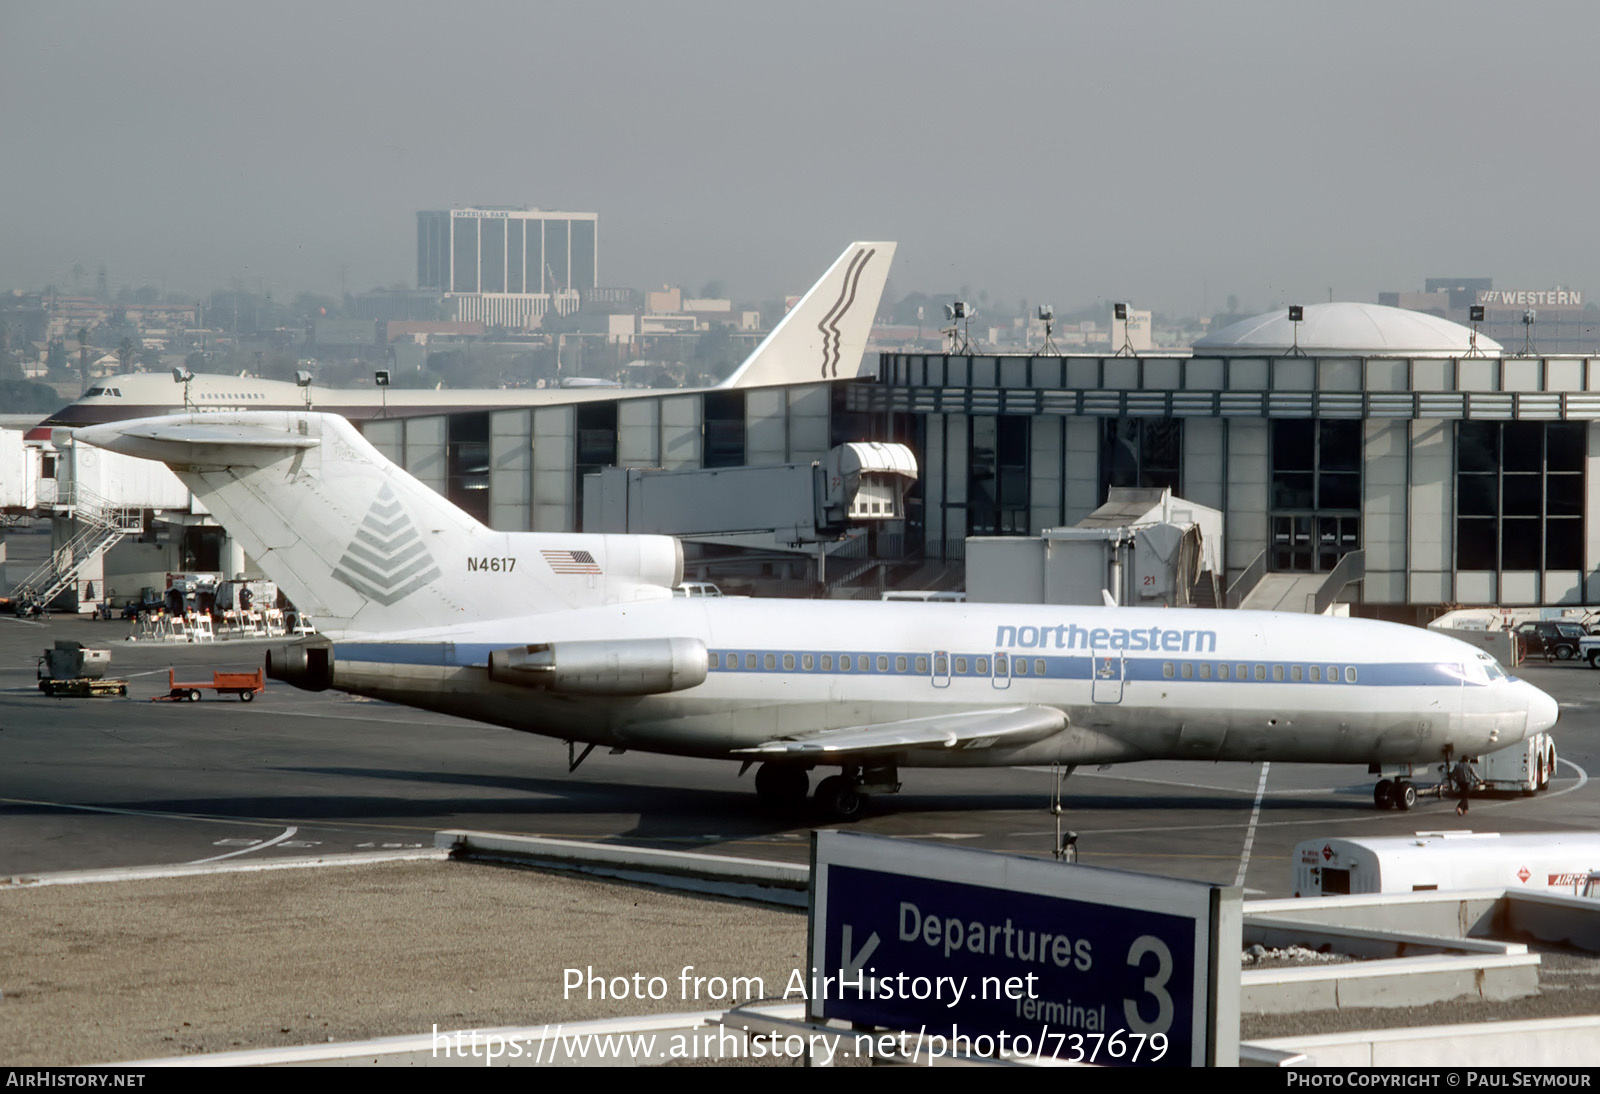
pixel 571 562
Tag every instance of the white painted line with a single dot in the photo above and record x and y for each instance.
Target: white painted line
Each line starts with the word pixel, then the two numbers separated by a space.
pixel 1250 832
pixel 287 833
pixel 137 812
pixel 423 1048
pixel 1285 793
pixel 1583 777
pixel 280 712
pixel 146 873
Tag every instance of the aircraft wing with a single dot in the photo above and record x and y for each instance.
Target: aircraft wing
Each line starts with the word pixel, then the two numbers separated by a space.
pixel 973 729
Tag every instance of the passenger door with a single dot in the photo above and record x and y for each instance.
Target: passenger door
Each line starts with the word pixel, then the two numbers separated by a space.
pixel 1107 668
pixel 1001 677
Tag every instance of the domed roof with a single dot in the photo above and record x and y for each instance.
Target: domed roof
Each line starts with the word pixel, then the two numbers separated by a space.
pixel 1347 330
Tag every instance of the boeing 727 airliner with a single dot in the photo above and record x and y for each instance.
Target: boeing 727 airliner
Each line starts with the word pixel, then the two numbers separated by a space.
pixel 579 637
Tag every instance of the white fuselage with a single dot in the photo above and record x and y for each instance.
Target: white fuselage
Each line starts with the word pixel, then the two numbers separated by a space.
pixel 1135 683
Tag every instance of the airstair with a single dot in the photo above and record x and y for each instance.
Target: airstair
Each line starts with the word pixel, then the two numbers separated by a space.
pixel 1257 589
pixel 100 526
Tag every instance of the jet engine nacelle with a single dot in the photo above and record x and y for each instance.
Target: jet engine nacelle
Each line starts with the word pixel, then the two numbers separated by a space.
pixel 308 666
pixel 630 666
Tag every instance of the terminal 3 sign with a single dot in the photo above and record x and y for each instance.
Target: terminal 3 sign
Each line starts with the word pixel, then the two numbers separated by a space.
pixel 1000 954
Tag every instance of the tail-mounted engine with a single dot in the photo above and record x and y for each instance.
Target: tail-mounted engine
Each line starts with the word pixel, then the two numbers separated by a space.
pixel 632 666
pixel 305 665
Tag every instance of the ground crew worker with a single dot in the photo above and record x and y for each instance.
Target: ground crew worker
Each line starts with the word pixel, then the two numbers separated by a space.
pixel 1466 778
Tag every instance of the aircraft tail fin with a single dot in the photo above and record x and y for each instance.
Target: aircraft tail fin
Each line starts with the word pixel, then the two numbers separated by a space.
pixel 823 336
pixel 362 546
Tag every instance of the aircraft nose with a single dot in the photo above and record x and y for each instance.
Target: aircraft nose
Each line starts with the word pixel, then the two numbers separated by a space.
pixel 1542 710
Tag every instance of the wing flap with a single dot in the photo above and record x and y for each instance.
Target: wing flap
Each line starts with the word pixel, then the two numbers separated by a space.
pixel 969 730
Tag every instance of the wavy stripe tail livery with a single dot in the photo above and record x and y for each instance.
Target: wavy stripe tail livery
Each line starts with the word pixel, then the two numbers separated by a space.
pixel 825 333
pixel 830 322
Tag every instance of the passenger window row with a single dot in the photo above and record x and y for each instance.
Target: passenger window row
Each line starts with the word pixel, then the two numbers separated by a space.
pixel 1294 674
pixel 810 662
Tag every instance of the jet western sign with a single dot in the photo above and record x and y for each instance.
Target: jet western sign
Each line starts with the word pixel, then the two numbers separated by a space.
pixel 1002 954
pixel 1531 298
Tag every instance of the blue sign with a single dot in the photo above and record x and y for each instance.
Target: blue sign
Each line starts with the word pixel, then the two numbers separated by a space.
pixel 1035 956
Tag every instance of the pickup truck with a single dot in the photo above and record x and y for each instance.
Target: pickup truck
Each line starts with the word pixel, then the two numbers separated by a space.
pixel 1589 649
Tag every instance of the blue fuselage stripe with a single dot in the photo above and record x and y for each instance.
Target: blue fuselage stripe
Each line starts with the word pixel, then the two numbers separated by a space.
pixel 1018 668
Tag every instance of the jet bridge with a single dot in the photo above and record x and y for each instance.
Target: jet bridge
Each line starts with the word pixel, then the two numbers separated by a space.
pixel 798 503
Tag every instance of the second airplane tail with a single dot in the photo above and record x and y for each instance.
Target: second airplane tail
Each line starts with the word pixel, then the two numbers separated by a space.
pixel 823 336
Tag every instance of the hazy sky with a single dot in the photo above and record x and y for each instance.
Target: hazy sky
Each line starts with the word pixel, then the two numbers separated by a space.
pixel 1165 153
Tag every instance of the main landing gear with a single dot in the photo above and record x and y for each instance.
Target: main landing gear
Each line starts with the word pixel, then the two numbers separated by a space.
pixel 1394 794
pixel 841 797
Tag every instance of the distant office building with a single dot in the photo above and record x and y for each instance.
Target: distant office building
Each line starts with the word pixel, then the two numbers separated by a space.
pixel 508 266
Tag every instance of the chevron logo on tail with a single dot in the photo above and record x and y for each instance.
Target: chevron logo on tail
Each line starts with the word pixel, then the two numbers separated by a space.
pixel 386 561
pixel 829 326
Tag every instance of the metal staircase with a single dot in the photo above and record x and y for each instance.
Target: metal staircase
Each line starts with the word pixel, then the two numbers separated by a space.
pixel 101 525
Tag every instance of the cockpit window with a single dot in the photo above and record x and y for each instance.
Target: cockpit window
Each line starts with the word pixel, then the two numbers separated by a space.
pixel 1491 667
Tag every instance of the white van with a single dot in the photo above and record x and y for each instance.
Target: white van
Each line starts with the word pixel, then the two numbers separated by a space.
pixel 1552 861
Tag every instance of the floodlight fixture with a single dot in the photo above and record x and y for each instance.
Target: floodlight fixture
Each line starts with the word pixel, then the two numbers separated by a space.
pixel 302 378
pixel 181 375
pixel 1297 315
pixel 1119 310
pixel 1475 316
pixel 1046 312
pixel 1529 316
pixel 959 312
pixel 380 376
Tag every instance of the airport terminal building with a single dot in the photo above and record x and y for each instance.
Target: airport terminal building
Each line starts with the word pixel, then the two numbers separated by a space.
pixel 1461 471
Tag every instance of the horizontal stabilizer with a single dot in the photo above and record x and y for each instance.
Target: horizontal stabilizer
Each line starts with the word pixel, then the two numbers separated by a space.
pixel 187 442
pixel 1003 726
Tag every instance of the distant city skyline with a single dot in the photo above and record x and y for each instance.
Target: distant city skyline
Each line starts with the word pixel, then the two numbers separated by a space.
pixel 1172 156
